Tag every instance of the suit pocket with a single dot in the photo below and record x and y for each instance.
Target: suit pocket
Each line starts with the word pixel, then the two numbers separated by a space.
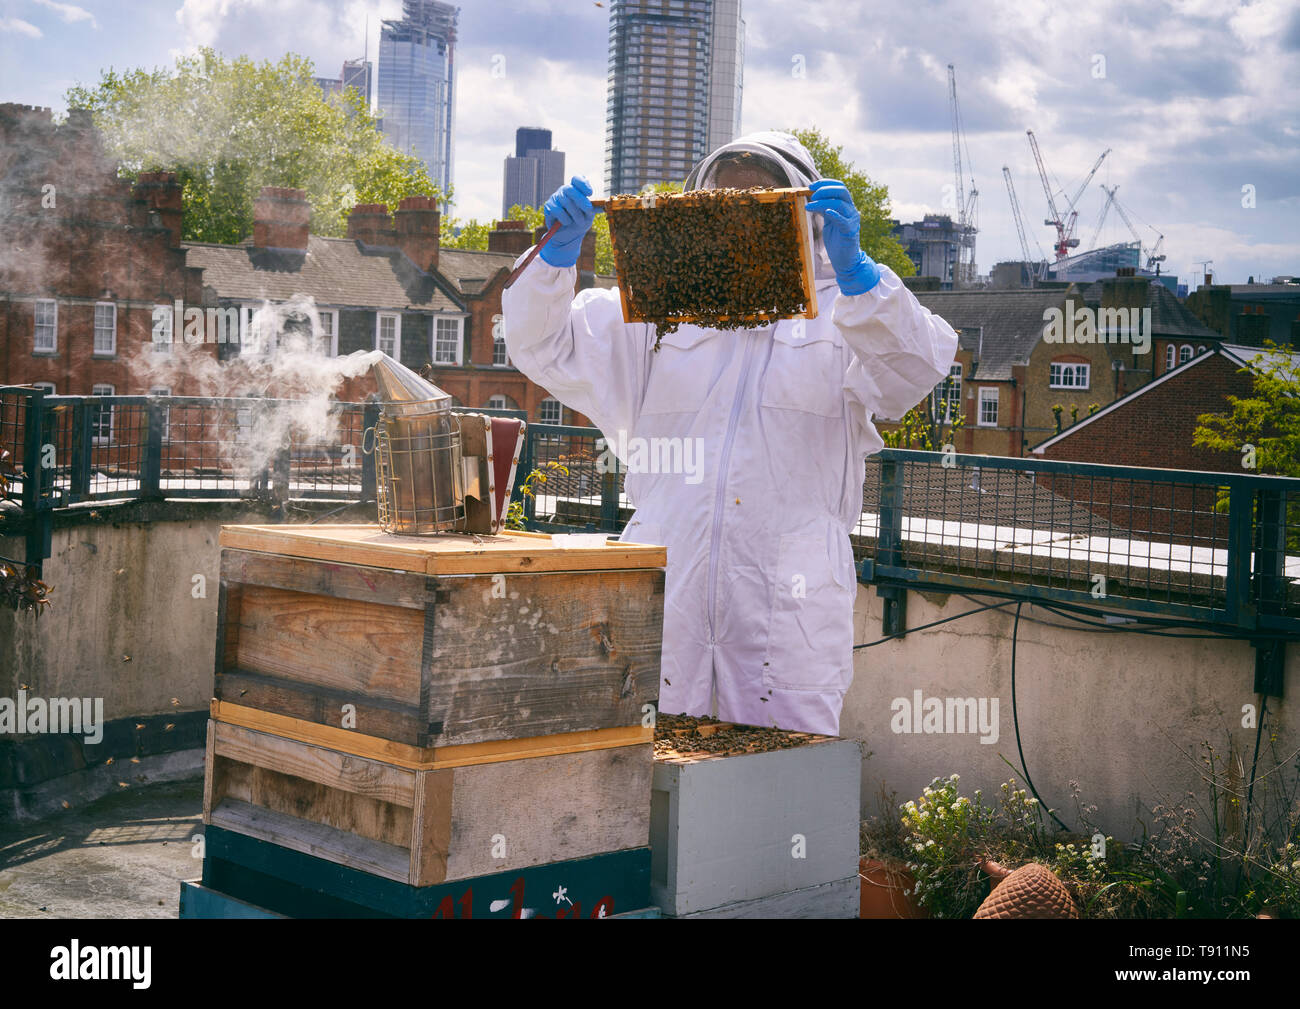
pixel 680 372
pixel 805 373
pixel 810 635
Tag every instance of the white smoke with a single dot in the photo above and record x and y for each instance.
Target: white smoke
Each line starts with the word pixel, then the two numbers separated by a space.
pixel 284 357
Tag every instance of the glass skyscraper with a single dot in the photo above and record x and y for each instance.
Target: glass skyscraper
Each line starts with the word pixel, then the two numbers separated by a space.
pixel 417 80
pixel 675 82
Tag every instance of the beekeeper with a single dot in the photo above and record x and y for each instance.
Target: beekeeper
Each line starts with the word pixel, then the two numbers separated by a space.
pixel 758 606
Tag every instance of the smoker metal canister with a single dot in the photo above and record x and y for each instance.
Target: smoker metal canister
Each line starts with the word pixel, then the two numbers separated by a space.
pixel 418 454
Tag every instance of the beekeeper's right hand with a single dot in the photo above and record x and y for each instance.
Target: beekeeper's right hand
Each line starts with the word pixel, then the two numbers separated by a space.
pixel 571 207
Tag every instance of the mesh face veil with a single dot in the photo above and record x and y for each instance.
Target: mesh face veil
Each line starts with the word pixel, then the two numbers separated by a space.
pixel 786 158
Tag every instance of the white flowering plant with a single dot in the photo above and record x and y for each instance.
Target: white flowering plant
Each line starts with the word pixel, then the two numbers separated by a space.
pixel 946 831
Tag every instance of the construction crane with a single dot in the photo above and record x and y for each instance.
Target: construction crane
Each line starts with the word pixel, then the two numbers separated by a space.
pixel 1154 256
pixel 1065 240
pixel 1078 193
pixel 1035 265
pixel 967 203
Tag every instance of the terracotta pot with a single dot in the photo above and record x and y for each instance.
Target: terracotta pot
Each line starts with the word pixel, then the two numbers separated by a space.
pixel 882 895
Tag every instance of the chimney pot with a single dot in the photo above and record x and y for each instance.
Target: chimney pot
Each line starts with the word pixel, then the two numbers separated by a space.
pixel 161 194
pixel 370 224
pixel 509 237
pixel 417 225
pixel 280 218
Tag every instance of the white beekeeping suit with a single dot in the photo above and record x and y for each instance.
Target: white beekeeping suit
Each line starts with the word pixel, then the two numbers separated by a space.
pixel 760 583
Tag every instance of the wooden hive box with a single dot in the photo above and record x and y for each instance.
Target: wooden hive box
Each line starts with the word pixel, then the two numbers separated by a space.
pixel 424 817
pixel 770 834
pixel 439 641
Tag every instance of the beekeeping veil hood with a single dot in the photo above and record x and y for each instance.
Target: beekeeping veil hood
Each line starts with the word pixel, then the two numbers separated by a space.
pixel 786 157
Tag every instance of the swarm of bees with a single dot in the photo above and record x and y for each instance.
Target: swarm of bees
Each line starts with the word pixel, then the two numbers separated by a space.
pixel 717 258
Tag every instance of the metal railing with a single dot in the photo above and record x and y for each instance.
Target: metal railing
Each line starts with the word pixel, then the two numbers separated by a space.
pixel 1216 548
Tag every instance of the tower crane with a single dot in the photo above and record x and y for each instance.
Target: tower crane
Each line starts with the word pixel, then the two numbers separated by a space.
pixel 1036 268
pixel 967 203
pixel 1065 239
pixel 1155 255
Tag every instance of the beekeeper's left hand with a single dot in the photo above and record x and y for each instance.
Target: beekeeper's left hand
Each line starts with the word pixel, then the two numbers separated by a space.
pixel 855 272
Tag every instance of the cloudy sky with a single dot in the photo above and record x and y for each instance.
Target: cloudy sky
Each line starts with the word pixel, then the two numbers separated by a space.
pixel 1195 98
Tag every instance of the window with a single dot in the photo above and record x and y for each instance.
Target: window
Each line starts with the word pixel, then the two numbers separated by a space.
pixel 1068 376
pixel 497 402
pixel 947 396
pixel 446 343
pixel 1184 353
pixel 47 386
pixel 1171 357
pixel 45 339
pixel 329 327
pixel 388 335
pixel 988 413
pixel 1200 350
pixel 101 417
pixel 162 329
pixel 500 356
pixel 550 411
pixel 105 327
pixel 162 390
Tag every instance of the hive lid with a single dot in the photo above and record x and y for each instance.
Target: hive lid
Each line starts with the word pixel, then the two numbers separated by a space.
pixel 403 389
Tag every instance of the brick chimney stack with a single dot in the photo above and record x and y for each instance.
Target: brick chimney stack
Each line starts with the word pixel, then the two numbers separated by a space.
pixel 417 226
pixel 161 193
pixel 280 218
pixel 509 236
pixel 370 224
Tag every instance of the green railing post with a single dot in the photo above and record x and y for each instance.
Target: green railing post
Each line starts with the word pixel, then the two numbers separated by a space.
pixel 889 546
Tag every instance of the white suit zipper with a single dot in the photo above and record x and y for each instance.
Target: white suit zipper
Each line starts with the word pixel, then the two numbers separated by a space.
pixel 723 465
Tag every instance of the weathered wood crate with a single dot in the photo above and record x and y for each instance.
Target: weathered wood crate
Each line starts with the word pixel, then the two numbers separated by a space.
pixel 440 640
pixel 770 834
pixel 426 816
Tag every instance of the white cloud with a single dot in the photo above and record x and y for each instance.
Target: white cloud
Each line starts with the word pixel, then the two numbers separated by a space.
pixel 69 13
pixel 20 27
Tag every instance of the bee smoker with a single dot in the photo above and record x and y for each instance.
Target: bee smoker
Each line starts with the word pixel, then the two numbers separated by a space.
pixel 420 473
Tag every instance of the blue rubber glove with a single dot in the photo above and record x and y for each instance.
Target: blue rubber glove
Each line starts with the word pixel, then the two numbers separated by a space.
pixel 855 271
pixel 571 207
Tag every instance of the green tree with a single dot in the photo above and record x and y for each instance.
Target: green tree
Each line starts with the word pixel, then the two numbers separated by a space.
pixel 229 127
pixel 1268 421
pixel 871 199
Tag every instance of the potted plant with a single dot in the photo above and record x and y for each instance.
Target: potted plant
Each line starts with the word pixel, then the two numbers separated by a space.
pixel 887 887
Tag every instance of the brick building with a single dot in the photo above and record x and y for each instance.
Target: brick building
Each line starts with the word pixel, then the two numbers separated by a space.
pixel 1249 314
pixel 388 285
pixel 1010 371
pixel 1153 427
pixel 89 263
pixel 85 258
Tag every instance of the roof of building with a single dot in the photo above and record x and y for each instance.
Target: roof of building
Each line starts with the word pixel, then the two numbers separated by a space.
pixel 1169 316
pixel 470 269
pixel 334 271
pixel 1001 327
pixel 1242 357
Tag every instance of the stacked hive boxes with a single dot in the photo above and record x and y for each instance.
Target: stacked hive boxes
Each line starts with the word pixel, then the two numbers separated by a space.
pixel 446 726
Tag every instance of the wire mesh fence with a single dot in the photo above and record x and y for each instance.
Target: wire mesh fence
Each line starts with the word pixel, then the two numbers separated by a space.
pixel 1222 547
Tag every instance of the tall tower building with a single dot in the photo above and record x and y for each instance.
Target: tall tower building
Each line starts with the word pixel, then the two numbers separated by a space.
pixel 534 173
pixel 675 79
pixel 417 84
